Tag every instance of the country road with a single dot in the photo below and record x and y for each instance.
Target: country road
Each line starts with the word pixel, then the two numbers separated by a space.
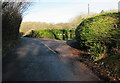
pixel 44 60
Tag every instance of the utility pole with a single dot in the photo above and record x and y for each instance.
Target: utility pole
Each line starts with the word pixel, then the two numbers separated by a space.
pixel 88 9
pixel 119 6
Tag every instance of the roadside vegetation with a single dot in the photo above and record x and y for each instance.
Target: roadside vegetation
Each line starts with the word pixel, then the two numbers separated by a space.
pixel 11 19
pixel 60 34
pixel 100 36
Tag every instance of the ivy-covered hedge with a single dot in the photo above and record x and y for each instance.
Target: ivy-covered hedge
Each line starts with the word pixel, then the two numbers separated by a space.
pixel 61 34
pixel 99 34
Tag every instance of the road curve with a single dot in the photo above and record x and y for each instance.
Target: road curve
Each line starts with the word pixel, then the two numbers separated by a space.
pixel 33 60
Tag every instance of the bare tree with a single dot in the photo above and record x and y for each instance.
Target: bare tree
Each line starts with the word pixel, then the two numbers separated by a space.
pixel 15 6
pixel 12 12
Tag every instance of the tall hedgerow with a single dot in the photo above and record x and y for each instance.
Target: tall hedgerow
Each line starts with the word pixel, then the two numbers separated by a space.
pixel 12 11
pixel 99 34
pixel 12 17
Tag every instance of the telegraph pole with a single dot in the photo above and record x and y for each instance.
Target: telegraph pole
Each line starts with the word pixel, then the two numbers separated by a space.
pixel 119 6
pixel 88 9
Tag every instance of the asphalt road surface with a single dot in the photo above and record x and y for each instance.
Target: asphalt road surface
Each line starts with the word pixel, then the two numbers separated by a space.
pixel 44 60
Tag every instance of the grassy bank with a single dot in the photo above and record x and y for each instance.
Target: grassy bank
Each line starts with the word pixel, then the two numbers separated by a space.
pixel 100 36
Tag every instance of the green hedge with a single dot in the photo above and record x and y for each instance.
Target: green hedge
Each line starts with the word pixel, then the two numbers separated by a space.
pixel 61 34
pixel 99 34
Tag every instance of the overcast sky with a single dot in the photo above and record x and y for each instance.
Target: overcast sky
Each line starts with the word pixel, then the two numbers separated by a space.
pixel 60 11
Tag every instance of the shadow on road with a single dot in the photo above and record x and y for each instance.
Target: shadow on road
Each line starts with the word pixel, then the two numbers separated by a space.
pixel 76 45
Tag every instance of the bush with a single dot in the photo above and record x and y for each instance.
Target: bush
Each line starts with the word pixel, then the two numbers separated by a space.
pixel 61 34
pixel 100 34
